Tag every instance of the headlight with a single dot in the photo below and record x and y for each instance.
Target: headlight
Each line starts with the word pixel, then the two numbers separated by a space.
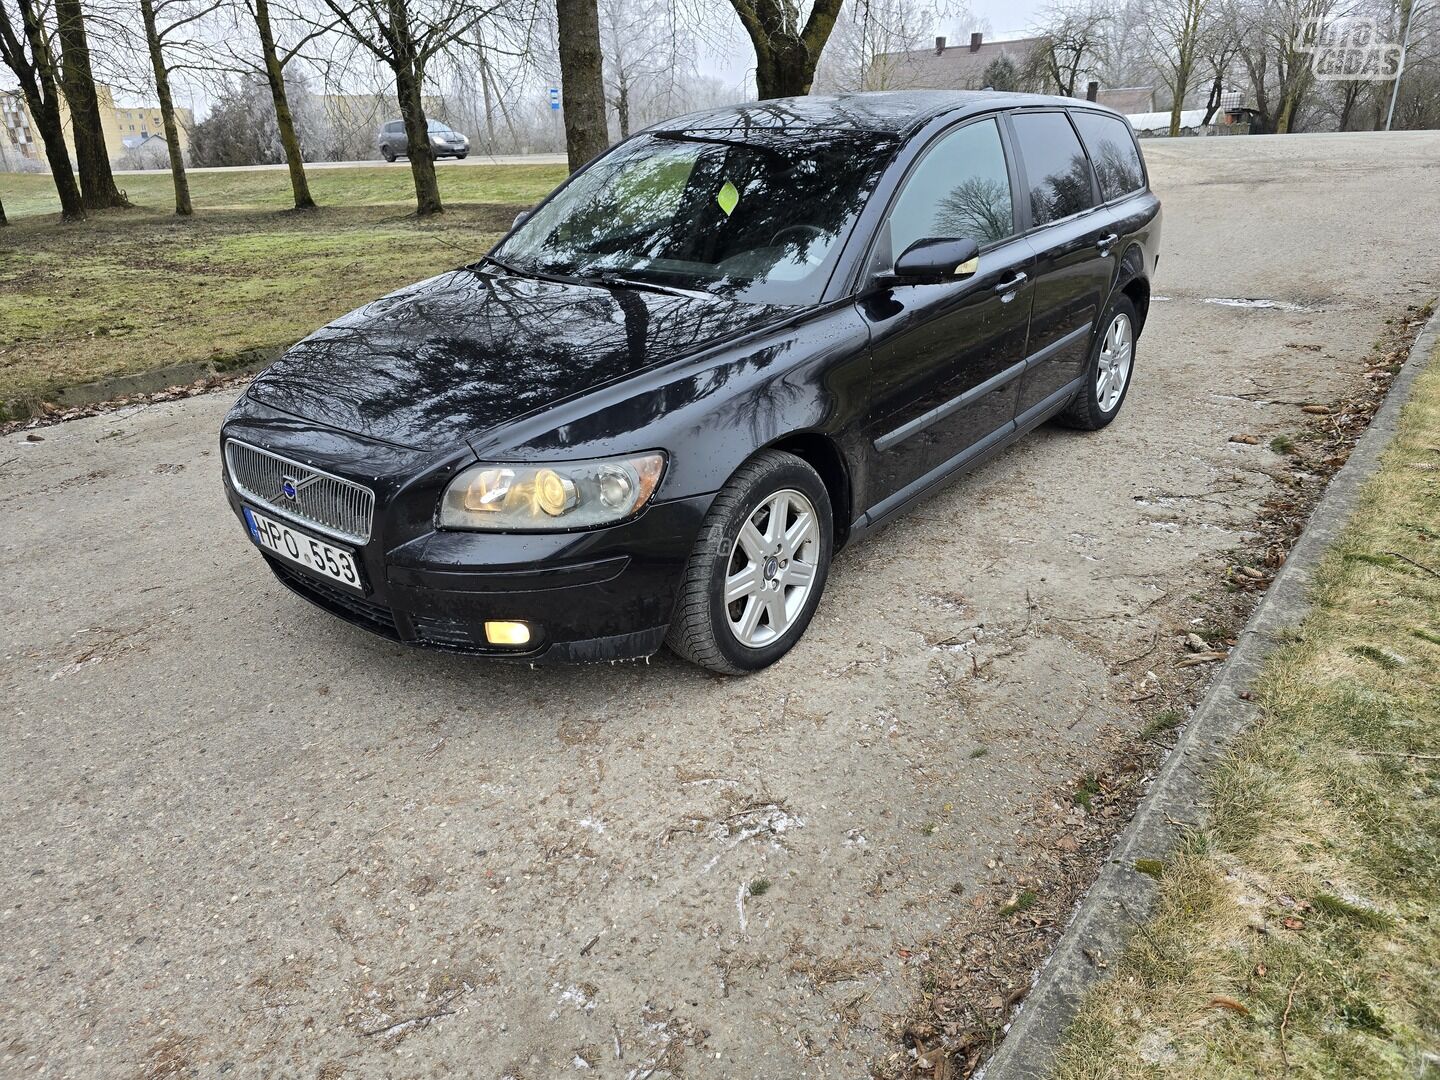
pixel 437 140
pixel 548 498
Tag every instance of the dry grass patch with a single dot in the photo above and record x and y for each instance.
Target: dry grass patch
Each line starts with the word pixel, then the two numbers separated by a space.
pixel 1298 934
pixel 134 290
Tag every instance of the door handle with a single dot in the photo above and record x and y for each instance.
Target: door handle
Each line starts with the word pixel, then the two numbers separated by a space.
pixel 1105 241
pixel 1014 283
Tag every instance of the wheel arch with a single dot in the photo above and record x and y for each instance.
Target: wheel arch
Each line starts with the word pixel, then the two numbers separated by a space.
pixel 822 453
pixel 1135 285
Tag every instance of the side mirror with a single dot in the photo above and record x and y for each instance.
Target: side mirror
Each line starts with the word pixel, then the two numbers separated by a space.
pixel 520 219
pixel 934 259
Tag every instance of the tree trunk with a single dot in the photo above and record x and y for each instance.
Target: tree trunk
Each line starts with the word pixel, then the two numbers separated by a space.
pixel 284 120
pixel 1349 98
pixel 97 182
pixel 167 110
pixel 3 219
pixel 1282 122
pixel 417 131
pixel 1212 103
pixel 582 81
pixel 37 82
pixel 787 70
pixel 489 105
pixel 622 104
pixel 784 58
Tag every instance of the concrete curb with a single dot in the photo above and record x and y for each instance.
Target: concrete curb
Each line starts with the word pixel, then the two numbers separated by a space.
pixel 1122 896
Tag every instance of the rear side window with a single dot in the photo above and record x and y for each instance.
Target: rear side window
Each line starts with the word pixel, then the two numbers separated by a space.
pixel 1112 152
pixel 395 128
pixel 961 189
pixel 1055 166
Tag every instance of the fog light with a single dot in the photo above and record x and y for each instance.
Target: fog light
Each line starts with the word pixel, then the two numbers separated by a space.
pixel 507 633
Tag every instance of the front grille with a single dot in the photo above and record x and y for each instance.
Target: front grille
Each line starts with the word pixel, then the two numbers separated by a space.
pixel 339 507
pixel 351 608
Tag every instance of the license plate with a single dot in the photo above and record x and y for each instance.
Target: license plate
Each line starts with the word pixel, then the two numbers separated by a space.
pixel 308 551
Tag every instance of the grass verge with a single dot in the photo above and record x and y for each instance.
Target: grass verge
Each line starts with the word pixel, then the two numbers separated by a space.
pixel 131 290
pixel 1298 933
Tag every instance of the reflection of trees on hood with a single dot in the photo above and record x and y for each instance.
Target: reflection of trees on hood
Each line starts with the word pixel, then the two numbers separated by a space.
pixel 978 208
pixel 469 350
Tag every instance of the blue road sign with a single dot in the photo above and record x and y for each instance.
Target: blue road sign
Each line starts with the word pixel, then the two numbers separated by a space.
pixel 554 99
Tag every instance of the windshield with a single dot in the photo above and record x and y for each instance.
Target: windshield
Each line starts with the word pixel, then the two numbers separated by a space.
pixel 437 126
pixel 758 222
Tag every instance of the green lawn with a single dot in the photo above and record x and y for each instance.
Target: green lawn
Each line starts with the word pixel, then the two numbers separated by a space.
pixel 127 291
pixel 1298 934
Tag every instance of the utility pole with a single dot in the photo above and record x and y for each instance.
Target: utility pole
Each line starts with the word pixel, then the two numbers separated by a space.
pixel 1404 46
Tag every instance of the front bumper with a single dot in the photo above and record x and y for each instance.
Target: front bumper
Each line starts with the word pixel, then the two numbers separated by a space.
pixel 595 595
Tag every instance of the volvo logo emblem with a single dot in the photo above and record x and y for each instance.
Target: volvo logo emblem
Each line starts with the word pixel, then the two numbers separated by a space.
pixel 288 488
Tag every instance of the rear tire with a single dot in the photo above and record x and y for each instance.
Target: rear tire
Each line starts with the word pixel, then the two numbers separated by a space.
pixel 746 600
pixel 387 154
pixel 1110 372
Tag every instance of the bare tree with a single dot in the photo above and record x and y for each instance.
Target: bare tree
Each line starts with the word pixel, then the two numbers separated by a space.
pixel 1416 91
pixel 268 61
pixel 1177 32
pixel 29 57
pixel 162 20
pixel 786 49
pixel 1123 58
pixel 1277 59
pixel 3 219
pixel 270 65
pixel 1071 44
pixel 92 156
pixel 582 80
pixel 1219 50
pixel 405 36
pixel 646 51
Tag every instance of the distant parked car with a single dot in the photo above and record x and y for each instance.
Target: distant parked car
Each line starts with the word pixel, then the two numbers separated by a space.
pixel 445 141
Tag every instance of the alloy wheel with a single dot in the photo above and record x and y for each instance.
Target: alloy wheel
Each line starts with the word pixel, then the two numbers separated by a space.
pixel 1117 353
pixel 772 568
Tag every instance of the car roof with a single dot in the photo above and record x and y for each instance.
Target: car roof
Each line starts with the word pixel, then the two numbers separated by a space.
pixel 893 112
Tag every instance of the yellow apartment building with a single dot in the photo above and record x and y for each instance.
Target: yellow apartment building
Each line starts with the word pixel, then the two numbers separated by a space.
pixel 125 126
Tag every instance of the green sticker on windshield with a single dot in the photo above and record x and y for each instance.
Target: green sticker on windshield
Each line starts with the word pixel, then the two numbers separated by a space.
pixel 728 198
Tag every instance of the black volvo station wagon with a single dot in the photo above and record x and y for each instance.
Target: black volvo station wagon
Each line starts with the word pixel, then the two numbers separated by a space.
pixel 726 348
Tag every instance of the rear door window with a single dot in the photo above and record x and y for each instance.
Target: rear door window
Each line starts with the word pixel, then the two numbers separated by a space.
pixel 1113 153
pixel 1056 169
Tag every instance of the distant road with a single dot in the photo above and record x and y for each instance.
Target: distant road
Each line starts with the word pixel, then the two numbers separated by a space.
pixel 473 159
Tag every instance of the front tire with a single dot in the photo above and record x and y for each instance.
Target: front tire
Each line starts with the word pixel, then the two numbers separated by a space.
pixel 757 569
pixel 1110 371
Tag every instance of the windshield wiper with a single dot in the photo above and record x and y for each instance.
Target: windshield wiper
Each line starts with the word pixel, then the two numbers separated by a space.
pixel 538 275
pixel 606 278
pixel 619 282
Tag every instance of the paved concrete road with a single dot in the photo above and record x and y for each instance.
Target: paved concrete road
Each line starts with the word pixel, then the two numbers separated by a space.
pixel 241 838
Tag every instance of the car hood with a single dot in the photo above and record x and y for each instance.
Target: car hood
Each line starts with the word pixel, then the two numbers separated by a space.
pixel 435 363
